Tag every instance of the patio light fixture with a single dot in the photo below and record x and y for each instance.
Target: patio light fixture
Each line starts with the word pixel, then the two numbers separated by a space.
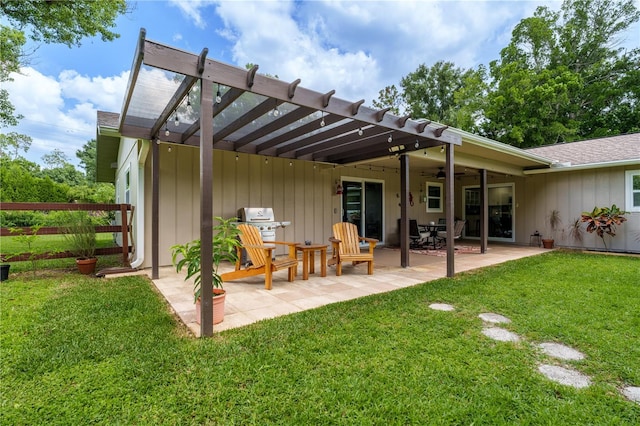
pixel 218 95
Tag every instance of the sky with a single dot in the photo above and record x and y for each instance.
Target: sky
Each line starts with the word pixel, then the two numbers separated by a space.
pixel 355 47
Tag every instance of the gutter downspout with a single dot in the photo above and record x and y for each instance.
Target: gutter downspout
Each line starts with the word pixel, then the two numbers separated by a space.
pixel 139 215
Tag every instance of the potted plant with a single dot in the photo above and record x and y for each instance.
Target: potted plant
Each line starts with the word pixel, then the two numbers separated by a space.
pixel 603 220
pixel 80 234
pixel 553 222
pixel 225 243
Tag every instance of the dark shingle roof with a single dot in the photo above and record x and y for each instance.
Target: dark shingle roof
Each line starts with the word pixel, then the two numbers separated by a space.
pixel 602 150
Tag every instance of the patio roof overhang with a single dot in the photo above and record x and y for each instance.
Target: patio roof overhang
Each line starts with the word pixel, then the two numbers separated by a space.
pixel 258 114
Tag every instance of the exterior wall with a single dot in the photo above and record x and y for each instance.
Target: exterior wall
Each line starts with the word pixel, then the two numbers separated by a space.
pixel 127 161
pixel 571 193
pixel 303 193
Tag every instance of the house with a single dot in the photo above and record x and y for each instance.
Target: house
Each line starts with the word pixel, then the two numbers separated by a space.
pixel 198 138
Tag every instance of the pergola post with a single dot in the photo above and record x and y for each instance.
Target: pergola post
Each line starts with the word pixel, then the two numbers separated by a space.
pixel 449 184
pixel 206 207
pixel 484 210
pixel 155 208
pixel 404 211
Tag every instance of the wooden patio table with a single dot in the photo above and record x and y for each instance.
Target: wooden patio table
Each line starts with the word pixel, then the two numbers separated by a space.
pixel 308 262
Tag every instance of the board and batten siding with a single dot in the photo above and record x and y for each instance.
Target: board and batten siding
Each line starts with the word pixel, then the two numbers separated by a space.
pixel 573 192
pixel 301 192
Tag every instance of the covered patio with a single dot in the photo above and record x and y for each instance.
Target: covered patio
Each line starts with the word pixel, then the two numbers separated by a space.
pixel 180 99
pixel 248 302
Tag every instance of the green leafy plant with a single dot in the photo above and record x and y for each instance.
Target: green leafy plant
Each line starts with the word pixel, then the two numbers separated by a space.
pixel 603 221
pixel 225 243
pixel 80 232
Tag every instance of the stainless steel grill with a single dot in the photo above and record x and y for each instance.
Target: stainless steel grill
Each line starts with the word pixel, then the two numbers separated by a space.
pixel 263 219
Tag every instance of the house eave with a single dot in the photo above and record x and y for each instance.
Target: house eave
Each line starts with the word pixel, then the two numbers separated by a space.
pixel 590 166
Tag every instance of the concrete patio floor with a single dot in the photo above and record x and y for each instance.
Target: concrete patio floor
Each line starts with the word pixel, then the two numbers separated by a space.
pixel 247 301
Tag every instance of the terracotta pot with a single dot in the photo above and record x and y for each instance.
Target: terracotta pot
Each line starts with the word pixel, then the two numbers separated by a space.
pixel 87 266
pixel 218 306
pixel 548 244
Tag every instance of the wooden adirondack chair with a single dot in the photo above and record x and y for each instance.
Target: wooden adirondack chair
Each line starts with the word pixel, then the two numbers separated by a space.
pixel 345 245
pixel 261 256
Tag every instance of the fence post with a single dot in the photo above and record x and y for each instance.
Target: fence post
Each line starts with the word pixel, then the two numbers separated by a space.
pixel 125 234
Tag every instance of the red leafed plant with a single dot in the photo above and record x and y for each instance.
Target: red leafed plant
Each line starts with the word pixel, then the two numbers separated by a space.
pixel 603 220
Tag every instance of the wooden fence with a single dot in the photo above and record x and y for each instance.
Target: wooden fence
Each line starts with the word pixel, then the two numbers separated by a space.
pixel 124 228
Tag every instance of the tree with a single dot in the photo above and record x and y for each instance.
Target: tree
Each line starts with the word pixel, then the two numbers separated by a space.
pixel 88 156
pixel 442 93
pixel 12 143
pixel 562 78
pixel 66 22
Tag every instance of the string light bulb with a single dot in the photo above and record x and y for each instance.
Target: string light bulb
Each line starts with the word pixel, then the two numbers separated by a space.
pixel 276 112
pixel 360 132
pixel 322 123
pixel 417 145
pixel 266 160
pixel 176 120
pixel 166 130
pixel 442 148
pixel 169 148
pixel 237 157
pixel 218 95
pixel 189 108
pixel 390 139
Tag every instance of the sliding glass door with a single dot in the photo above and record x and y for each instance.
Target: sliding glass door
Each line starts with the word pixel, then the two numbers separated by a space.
pixel 362 204
pixel 500 214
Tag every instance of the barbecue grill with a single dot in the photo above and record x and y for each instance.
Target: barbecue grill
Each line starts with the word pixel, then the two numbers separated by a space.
pixel 263 219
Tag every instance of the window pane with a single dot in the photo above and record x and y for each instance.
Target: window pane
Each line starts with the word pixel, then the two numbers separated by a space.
pixel 434 203
pixel 636 182
pixel 636 199
pixel 434 191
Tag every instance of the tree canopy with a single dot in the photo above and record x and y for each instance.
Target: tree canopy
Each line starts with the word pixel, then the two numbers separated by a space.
pixel 563 76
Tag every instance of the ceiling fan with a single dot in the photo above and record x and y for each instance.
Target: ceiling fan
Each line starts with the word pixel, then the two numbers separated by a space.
pixel 441 174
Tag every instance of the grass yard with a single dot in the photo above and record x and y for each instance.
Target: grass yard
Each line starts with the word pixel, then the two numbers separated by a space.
pixel 77 350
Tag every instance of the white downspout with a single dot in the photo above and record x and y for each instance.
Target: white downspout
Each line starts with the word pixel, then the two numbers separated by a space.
pixel 139 212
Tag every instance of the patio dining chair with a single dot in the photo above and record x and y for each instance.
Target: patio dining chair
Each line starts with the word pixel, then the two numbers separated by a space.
pixel 261 258
pixel 457 232
pixel 345 245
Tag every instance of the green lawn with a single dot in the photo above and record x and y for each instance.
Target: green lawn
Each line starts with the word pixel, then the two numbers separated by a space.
pixel 77 350
pixel 43 243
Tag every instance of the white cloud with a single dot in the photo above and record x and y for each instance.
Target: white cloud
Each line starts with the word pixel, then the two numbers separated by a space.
pixel 60 113
pixel 192 10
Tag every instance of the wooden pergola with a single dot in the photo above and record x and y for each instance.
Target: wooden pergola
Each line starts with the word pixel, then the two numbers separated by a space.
pixel 186 98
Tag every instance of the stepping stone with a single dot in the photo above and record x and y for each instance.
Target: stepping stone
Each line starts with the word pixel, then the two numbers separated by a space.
pixel 560 351
pixel 564 376
pixel 441 307
pixel 500 334
pixel 632 393
pixel 494 318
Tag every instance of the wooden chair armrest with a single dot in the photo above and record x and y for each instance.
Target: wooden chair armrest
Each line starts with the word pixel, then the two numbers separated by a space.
pixel 334 240
pixel 267 248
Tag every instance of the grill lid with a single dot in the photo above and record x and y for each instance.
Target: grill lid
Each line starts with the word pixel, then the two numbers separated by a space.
pixel 256 214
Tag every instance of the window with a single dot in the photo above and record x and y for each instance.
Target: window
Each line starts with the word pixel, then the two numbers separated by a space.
pixel 127 188
pixel 632 190
pixel 434 197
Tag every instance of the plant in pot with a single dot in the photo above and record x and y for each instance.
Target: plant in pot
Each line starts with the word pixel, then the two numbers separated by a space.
pixel 603 221
pixel 553 223
pixel 80 233
pixel 225 243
